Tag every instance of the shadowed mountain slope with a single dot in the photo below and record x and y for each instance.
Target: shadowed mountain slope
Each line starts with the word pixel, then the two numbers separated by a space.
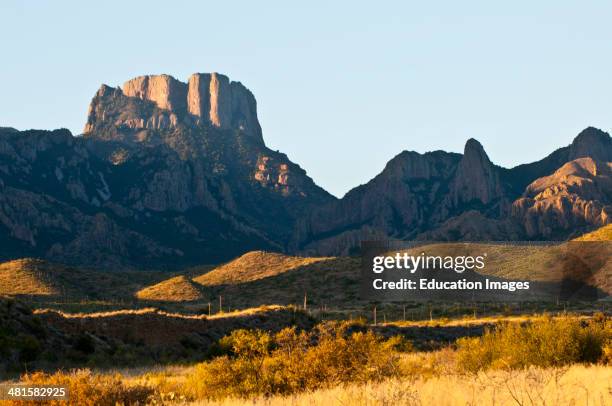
pixel 449 197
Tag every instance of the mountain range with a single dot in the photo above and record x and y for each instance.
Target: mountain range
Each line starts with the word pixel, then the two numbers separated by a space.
pixel 169 174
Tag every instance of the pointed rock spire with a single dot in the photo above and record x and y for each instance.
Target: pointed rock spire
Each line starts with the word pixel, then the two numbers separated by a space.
pixel 476 178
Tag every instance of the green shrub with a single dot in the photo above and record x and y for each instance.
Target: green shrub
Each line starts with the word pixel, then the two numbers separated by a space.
pixel 292 361
pixel 544 342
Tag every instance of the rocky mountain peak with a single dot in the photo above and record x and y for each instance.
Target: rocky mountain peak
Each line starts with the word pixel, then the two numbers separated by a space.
pixel 591 142
pixel 206 99
pixel 474 152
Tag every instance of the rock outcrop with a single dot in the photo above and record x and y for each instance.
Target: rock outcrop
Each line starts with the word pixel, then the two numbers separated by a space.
pixel 577 197
pixel 208 99
pixel 476 179
pixel 163 90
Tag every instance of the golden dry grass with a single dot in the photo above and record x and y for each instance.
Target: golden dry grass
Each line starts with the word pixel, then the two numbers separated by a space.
pixel 425 378
pixel 575 385
pixel 177 289
pixel 46 281
pixel 25 277
pixel 479 321
pixel 252 266
pixel 601 234
pixel 505 260
pixel 86 389
pixel 151 310
pixel 259 278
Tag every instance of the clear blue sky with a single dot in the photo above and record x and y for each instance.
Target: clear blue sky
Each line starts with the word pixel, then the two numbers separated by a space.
pixel 342 87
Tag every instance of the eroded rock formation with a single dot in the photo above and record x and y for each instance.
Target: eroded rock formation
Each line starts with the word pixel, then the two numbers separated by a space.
pixel 206 99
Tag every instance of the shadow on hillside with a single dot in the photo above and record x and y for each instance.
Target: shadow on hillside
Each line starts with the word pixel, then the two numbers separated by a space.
pixel 566 272
pixel 126 338
pixel 44 284
pixel 330 282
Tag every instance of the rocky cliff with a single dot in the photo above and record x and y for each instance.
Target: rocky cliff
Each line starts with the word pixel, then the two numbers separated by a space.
pixel 207 99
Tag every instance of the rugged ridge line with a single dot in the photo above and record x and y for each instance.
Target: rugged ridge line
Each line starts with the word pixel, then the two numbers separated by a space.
pixel 172 174
pixel 442 196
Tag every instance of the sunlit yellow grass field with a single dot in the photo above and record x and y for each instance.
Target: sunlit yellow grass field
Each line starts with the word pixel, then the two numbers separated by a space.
pixel 575 385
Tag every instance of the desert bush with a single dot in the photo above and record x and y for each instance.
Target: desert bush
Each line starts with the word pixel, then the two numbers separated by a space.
pixel 607 352
pixel 542 342
pixel 291 361
pixel 88 389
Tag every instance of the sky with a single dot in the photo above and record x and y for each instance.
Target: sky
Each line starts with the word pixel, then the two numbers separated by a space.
pixel 341 87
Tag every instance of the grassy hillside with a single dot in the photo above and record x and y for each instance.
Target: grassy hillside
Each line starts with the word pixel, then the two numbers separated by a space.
pixel 41 281
pixel 177 289
pixel 253 266
pixel 27 277
pixel 258 278
pixel 601 234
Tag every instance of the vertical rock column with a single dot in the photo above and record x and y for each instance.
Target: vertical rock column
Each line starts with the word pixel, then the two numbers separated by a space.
pixel 220 101
pixel 167 92
pixel 198 95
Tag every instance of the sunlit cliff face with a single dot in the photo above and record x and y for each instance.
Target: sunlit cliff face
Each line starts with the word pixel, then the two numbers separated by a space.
pixel 207 98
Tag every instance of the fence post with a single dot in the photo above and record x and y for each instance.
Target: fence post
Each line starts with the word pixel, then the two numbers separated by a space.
pixel 374 315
